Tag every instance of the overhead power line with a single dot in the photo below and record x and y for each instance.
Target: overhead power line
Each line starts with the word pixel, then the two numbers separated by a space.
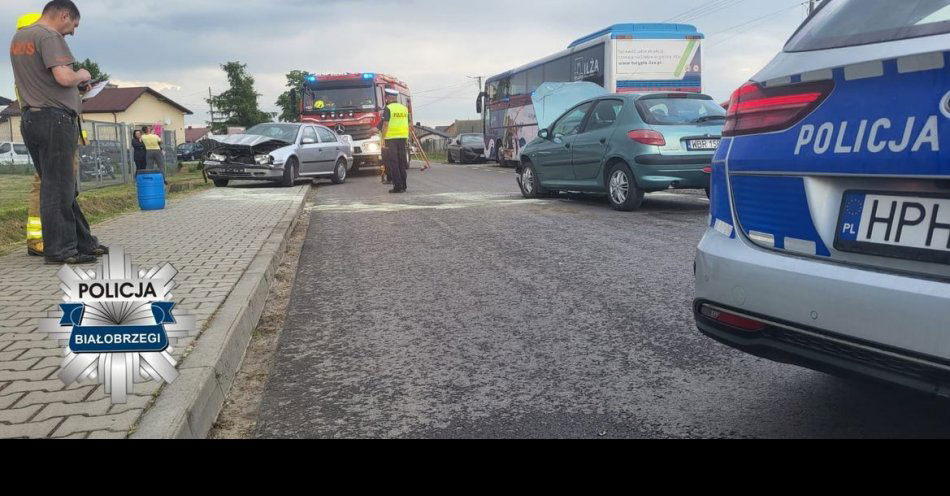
pixel 748 24
pixel 703 10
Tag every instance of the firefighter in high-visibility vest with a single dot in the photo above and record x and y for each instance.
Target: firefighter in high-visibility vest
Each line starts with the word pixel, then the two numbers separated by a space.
pixel 396 133
pixel 34 223
pixel 34 226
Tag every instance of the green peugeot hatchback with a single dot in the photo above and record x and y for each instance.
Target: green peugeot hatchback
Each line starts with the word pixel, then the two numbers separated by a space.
pixel 625 145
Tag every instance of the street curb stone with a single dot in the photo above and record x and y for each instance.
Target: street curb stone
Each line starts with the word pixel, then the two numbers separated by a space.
pixel 189 407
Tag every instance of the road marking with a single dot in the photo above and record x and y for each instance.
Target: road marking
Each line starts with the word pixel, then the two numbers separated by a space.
pixel 440 201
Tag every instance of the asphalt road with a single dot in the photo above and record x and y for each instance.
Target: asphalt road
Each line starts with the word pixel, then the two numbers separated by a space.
pixel 462 310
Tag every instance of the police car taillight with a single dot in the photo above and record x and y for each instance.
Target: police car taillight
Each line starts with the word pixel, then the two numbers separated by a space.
pixel 754 108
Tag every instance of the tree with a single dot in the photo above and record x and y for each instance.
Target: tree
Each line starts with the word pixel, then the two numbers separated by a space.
pixel 288 111
pixel 237 105
pixel 93 69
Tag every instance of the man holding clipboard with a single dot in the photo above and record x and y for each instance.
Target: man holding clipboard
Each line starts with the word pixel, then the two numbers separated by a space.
pixel 49 94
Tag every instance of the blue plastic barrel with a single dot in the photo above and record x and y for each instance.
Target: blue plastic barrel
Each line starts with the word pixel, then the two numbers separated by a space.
pixel 151 189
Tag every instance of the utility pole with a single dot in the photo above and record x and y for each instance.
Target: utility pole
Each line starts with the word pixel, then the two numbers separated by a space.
pixel 211 106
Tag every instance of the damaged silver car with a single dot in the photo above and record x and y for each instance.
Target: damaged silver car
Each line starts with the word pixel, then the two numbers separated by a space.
pixel 282 153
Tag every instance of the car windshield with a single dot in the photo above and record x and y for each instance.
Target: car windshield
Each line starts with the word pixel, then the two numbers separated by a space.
pixel 472 139
pixel 282 132
pixel 340 98
pixel 687 109
pixel 843 23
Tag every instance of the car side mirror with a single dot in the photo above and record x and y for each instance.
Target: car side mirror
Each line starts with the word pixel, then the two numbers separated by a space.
pixel 309 141
pixel 544 134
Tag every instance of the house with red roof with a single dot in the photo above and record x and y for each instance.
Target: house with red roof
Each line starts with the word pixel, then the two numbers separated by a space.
pixel 138 106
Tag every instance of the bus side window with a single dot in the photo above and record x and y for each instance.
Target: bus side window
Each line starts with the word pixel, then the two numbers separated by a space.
pixel 535 78
pixel 503 88
pixel 558 71
pixel 492 91
pixel 519 84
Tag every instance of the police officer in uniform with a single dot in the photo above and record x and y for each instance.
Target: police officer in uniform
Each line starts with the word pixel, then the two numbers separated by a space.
pixel 396 133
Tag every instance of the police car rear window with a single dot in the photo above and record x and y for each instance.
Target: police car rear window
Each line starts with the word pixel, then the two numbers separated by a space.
pixel 844 23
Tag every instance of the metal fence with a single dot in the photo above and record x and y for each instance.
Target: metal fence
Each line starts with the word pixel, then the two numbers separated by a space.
pixel 107 158
pixel 436 145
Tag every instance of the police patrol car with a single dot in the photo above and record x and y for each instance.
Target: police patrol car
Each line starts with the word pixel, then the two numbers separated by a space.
pixel 829 238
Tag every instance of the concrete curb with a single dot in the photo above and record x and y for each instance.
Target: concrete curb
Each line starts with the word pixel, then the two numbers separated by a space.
pixel 188 407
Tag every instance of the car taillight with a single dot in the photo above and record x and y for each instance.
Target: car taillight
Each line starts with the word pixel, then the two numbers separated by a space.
pixel 754 108
pixel 733 320
pixel 647 137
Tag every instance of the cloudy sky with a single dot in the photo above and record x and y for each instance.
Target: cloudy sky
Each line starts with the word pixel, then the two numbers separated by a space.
pixel 177 46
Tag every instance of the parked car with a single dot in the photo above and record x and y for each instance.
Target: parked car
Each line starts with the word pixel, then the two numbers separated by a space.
pixel 625 145
pixel 467 148
pixel 280 152
pixel 187 152
pixel 14 154
pixel 829 240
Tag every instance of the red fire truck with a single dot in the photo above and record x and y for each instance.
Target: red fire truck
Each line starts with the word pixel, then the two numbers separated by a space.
pixel 352 104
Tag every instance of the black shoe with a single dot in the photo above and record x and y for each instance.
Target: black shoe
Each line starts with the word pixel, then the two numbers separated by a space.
pixel 98 251
pixel 395 190
pixel 401 190
pixel 73 260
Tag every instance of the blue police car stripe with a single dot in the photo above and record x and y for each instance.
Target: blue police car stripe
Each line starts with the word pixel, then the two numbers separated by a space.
pixel 882 118
pixel 777 206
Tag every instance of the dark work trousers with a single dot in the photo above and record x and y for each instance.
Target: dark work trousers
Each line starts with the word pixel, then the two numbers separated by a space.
pixel 397 161
pixel 51 136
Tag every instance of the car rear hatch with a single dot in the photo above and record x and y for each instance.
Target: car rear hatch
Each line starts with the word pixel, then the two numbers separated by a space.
pixel 848 161
pixel 689 127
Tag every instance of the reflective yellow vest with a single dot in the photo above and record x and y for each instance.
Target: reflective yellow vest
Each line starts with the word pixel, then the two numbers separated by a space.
pixel 398 122
pixel 25 21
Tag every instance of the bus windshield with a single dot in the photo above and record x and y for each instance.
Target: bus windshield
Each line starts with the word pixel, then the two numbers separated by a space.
pixel 340 99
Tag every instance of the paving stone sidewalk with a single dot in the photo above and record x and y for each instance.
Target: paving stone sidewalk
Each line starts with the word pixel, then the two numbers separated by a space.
pixel 210 237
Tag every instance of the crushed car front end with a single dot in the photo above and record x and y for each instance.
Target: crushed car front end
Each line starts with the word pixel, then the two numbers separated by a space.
pixel 247 157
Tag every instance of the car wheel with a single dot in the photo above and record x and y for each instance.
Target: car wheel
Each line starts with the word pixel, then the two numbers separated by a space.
pixel 221 183
pixel 290 173
pixel 530 182
pixel 339 172
pixel 622 190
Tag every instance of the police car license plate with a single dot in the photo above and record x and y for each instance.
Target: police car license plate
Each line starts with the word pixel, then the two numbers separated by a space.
pixel 702 144
pixel 914 227
pixel 234 170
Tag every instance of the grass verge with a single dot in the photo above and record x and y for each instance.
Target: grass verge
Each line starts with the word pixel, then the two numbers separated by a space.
pixel 98 204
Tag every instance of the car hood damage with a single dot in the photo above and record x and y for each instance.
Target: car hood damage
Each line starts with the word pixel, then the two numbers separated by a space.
pixel 553 99
pixel 246 144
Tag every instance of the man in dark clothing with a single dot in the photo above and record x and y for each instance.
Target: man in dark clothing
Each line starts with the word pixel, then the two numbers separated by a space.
pixel 395 124
pixel 49 91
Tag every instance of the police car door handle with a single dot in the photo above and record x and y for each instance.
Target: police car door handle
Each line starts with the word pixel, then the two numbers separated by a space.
pixel 603 141
pixel 567 145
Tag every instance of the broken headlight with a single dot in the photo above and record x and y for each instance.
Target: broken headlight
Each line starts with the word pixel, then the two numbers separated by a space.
pixel 263 159
pixel 216 157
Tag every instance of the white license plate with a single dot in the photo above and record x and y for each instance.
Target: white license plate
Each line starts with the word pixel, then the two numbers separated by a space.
pixel 702 144
pixel 915 227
